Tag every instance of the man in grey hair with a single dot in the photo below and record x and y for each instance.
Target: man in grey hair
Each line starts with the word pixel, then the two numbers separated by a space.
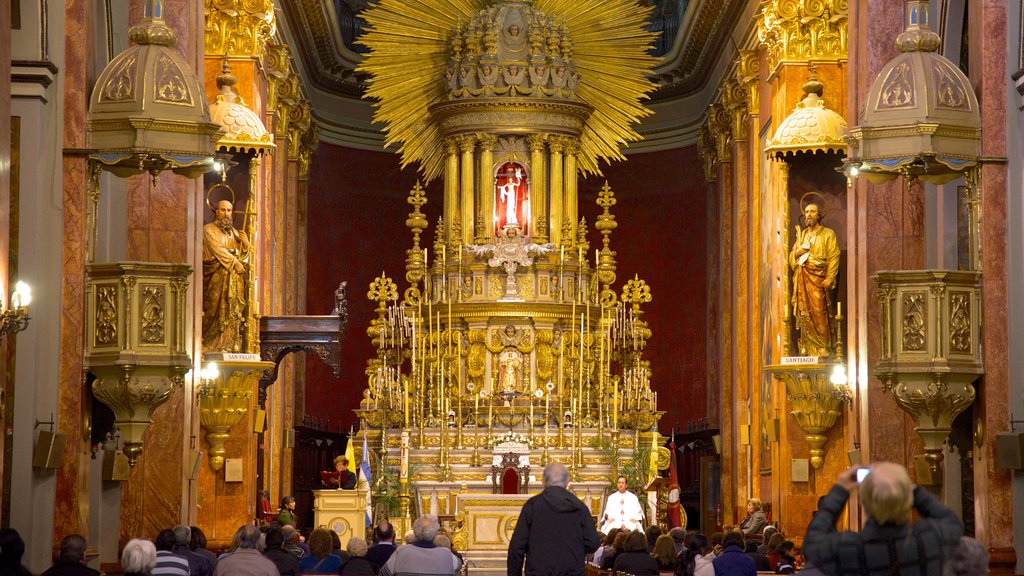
pixel 246 560
pixel 71 560
pixel 197 564
pixel 422 556
pixel 555 530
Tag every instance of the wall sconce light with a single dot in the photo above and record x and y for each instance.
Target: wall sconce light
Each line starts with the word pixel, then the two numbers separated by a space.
pixel 15 317
pixel 225 392
pixel 817 395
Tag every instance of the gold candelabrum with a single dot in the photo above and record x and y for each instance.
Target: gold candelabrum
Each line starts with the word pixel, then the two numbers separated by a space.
pixel 931 348
pixel 225 394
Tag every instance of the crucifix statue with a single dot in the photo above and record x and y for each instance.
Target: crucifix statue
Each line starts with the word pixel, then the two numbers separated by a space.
pixel 510 250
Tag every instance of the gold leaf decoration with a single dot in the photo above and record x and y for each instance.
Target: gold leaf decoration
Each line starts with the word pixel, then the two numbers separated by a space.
pixel 410 44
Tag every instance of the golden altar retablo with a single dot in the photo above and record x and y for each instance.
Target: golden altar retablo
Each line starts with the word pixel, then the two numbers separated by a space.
pixel 508 325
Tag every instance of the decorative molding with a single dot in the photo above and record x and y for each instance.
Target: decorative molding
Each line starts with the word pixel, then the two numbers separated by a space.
pixel 800 31
pixel 239 27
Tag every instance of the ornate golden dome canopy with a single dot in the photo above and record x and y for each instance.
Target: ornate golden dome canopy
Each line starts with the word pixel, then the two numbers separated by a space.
pixel 432 60
pixel 148 111
pixel 243 129
pixel 810 127
pixel 921 117
pixel 512 49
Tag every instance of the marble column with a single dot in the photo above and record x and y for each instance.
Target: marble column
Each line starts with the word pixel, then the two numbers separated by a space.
pixel 71 496
pixel 993 506
pixel 742 296
pixel 727 424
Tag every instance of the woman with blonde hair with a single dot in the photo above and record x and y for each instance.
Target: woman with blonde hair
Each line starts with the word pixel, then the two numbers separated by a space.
pixel 755 521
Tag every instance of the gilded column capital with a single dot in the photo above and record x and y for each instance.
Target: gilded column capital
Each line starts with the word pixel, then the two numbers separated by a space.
pixel 707 152
pixel 799 31
pixel 239 27
pixel 277 60
pixel 451 146
pixel 487 141
pixel 300 121
pixel 748 70
pixel 466 142
pixel 557 144
pixel 277 64
pixel 735 98
pixel 536 141
pixel 572 146
pixel 721 130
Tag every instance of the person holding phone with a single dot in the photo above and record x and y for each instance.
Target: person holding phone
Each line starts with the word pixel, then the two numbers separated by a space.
pixel 888 544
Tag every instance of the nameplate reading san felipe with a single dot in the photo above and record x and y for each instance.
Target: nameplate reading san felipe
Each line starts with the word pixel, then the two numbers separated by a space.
pixel 799 360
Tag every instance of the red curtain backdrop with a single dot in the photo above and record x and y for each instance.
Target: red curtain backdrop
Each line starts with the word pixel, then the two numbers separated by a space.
pixel 356 221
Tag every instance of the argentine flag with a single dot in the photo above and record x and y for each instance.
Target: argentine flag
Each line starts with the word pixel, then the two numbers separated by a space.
pixel 364 481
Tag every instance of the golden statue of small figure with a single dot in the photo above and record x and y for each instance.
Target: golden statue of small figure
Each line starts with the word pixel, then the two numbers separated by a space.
pixel 815 263
pixel 225 254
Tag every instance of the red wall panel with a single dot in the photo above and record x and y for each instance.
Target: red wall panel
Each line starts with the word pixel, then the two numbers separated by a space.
pixel 357 212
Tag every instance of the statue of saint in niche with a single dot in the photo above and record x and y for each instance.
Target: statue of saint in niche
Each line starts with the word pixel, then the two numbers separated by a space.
pixel 815 263
pixel 225 254
pixel 511 197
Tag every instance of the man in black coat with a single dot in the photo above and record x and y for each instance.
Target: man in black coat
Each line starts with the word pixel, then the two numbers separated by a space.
pixel 555 530
pixel 379 553
pixel 287 564
pixel 71 561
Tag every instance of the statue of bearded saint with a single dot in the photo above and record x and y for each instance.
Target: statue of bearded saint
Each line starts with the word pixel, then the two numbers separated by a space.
pixel 815 263
pixel 225 253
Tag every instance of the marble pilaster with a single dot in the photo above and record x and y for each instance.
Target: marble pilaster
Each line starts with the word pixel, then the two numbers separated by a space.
pixel 992 490
pixel 727 423
pixel 71 498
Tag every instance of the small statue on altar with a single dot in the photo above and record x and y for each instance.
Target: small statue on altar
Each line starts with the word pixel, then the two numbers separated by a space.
pixel 510 370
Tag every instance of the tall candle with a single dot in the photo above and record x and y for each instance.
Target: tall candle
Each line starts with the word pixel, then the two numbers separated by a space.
pixel 615 404
pixel 561 274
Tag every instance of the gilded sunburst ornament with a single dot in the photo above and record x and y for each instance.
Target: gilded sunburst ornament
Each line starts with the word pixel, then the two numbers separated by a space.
pixel 425 52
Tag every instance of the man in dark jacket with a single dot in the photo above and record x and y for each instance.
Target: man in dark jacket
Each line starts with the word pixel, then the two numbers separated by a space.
pixel 889 544
pixel 287 564
pixel 379 553
pixel 71 561
pixel 555 530
pixel 198 564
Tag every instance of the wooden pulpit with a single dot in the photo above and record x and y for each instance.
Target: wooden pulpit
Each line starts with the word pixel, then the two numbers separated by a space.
pixel 343 511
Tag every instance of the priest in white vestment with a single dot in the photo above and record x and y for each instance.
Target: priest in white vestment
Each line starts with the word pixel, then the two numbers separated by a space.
pixel 622 510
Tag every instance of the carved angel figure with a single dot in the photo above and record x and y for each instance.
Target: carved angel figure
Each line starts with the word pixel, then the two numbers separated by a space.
pixel 539 74
pixel 488 77
pixel 513 75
